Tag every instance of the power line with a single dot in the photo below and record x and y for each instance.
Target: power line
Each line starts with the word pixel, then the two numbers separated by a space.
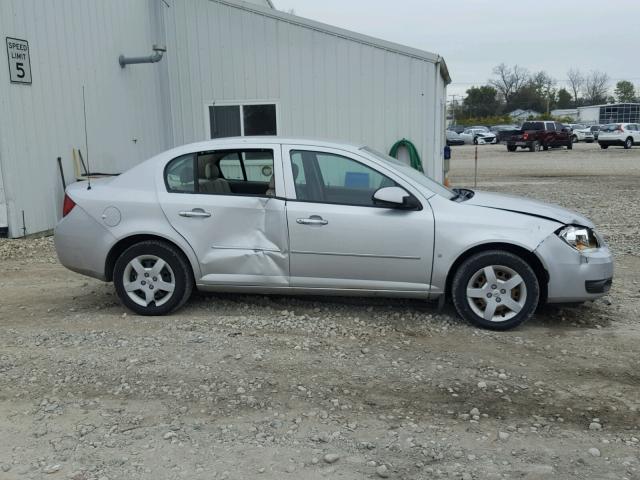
pixel 561 81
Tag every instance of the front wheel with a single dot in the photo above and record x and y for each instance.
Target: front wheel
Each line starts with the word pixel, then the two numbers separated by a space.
pixel 628 143
pixel 496 290
pixel 152 278
pixel 475 140
pixel 574 139
pixel 511 148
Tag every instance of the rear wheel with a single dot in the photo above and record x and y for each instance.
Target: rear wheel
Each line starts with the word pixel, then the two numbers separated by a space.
pixel 535 146
pixel 511 148
pixel 545 147
pixel 604 146
pixel 496 290
pixel 475 140
pixel 628 143
pixel 574 139
pixel 152 278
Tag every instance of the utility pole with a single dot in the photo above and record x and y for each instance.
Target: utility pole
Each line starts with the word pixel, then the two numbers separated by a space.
pixel 453 107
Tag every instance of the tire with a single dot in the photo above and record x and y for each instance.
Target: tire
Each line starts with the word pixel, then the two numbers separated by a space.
pixel 545 147
pixel 569 146
pixel 628 143
pixel 475 140
pixel 172 284
pixel 604 146
pixel 535 146
pixel 574 139
pixel 511 148
pixel 487 307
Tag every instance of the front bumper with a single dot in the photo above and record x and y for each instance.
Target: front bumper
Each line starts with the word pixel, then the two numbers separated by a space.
pixel 575 276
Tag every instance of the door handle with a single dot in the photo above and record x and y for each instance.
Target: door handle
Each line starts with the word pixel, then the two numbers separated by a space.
pixel 312 220
pixel 195 213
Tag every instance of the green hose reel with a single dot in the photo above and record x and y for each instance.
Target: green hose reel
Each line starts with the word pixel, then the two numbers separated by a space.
pixel 414 157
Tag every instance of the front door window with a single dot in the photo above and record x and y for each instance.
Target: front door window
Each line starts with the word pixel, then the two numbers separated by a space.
pixel 329 178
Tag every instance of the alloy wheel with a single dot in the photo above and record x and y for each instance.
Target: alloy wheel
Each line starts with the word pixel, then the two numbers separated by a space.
pixel 149 279
pixel 496 293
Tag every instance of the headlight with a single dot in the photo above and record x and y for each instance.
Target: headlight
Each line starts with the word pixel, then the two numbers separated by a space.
pixel 580 238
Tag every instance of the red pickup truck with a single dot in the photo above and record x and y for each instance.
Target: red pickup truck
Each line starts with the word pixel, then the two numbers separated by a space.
pixel 540 135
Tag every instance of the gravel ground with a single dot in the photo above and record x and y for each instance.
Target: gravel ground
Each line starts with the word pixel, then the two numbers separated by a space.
pixel 239 387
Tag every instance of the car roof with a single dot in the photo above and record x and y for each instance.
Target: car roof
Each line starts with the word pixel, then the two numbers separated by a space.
pixel 221 143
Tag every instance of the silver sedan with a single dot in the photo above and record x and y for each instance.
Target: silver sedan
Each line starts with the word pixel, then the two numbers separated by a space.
pixel 290 216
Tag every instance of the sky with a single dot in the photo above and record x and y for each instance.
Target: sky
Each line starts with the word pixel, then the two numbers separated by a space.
pixel 475 35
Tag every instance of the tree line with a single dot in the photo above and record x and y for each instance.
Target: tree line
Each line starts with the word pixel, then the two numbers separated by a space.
pixel 514 87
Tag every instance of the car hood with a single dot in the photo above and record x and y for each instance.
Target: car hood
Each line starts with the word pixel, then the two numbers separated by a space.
pixel 513 203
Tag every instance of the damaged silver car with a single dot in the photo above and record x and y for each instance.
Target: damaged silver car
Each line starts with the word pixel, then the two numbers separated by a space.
pixel 290 216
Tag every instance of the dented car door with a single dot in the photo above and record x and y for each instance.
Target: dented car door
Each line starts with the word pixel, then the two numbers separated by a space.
pixel 231 216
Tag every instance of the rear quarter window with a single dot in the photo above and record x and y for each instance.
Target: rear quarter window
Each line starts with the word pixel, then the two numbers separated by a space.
pixel 178 174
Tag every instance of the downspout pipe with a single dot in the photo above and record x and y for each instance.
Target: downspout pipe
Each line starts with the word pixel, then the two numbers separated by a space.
pixel 156 57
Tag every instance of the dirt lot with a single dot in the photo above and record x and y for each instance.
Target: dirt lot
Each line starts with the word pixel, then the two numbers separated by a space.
pixel 244 387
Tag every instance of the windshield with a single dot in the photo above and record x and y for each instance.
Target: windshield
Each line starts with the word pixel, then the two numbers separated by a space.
pixel 415 175
pixel 611 127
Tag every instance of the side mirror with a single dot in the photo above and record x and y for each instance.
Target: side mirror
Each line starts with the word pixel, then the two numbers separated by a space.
pixel 395 197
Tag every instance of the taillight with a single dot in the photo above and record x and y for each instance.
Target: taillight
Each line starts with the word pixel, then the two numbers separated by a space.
pixel 525 136
pixel 67 205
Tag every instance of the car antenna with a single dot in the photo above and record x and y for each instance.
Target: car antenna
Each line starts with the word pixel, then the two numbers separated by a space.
pixel 86 141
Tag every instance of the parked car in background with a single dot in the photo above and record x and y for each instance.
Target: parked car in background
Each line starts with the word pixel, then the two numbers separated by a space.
pixel 454 138
pixel 622 134
pixel 481 127
pixel 595 129
pixel 477 136
pixel 581 133
pixel 503 132
pixel 331 219
pixel 457 128
pixel 536 135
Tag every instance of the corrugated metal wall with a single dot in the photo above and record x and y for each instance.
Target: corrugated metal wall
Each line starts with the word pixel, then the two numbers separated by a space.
pixel 326 82
pixel 74 43
pixel 325 85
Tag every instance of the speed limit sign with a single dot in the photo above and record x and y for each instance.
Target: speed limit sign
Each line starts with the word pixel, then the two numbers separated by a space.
pixel 19 60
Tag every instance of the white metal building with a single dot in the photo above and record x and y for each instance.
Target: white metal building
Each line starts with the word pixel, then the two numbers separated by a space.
pixel 609 113
pixel 571 113
pixel 225 61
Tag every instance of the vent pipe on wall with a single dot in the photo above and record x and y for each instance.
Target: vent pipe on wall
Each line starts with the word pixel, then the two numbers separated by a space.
pixel 156 57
